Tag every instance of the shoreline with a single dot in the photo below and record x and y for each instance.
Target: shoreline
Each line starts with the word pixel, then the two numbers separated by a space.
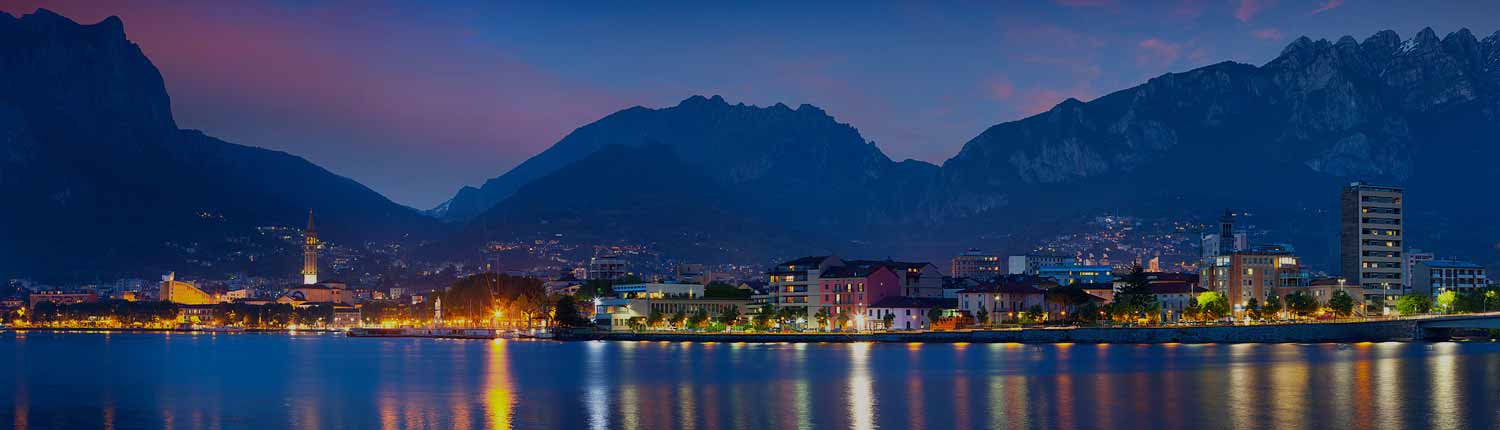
pixel 1345 332
pixel 163 330
pixel 1397 330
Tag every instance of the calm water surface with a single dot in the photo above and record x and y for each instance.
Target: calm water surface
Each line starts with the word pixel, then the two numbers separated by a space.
pixel 232 381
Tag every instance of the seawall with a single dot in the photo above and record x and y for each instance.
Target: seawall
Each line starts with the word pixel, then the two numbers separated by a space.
pixel 1369 331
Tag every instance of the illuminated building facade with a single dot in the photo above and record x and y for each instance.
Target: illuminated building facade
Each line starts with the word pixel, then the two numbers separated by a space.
pixel 975 264
pixel 1437 276
pixel 850 289
pixel 183 293
pixel 310 253
pixel 1255 273
pixel 61 298
pixel 1370 240
pixel 1225 241
pixel 1029 264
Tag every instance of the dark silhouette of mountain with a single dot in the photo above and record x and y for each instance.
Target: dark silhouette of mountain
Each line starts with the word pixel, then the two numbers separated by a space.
pixel 783 159
pixel 632 195
pixel 1277 140
pixel 97 178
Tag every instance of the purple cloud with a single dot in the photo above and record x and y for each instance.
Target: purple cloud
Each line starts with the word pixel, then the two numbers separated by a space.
pixel 1327 6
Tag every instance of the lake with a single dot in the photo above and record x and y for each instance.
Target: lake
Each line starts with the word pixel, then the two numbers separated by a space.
pixel 250 380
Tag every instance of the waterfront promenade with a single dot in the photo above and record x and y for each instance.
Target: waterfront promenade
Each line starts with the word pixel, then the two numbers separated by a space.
pixel 1405 329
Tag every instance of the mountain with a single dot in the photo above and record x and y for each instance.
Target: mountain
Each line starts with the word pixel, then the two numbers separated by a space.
pixel 1279 139
pixel 98 178
pixel 632 194
pixel 1276 140
pixel 782 159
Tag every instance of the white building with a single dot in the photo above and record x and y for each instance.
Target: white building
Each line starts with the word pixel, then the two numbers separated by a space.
pixel 609 268
pixel 1030 264
pixel 907 313
pixel 1434 277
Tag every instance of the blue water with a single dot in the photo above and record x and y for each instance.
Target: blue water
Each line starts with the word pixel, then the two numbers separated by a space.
pixel 245 381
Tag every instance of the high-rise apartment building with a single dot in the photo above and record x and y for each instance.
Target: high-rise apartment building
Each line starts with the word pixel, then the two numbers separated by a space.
pixel 1370 240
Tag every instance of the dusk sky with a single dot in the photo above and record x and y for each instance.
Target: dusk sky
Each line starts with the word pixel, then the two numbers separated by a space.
pixel 416 100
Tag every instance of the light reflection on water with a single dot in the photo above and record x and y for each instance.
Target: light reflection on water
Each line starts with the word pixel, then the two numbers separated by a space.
pixel 320 381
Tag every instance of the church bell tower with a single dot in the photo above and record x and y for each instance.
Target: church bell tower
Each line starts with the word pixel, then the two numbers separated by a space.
pixel 310 253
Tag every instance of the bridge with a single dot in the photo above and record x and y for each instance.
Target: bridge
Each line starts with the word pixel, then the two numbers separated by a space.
pixel 1442 327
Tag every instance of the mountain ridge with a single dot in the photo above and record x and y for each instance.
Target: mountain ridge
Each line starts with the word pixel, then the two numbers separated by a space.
pixel 1320 114
pixel 97 170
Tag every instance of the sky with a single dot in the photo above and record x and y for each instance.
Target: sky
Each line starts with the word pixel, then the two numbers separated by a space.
pixel 417 100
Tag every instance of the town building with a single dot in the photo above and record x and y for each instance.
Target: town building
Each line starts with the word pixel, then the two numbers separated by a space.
pixel 1413 258
pixel 1322 289
pixel 976 264
pixel 346 316
pixel 1370 240
pixel 798 283
pixel 1174 297
pixel 1029 264
pixel 1254 273
pixel 183 293
pixel 607 268
pixel 917 279
pixel 638 301
pixel 1069 274
pixel 1006 299
pixel 908 313
pixel 1438 276
pixel 323 292
pixel 1226 240
pixel 61 298
pixel 795 284
pixel 849 289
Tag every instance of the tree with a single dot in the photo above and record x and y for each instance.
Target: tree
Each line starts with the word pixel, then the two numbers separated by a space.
pixel 889 320
pixel 1134 300
pixel 1412 304
pixel 1469 302
pixel 1192 311
pixel 567 314
pixel 933 315
pixel 678 319
pixel 1376 305
pixel 1035 314
pixel 1491 298
pixel 1213 306
pixel 655 318
pixel 637 324
pixel 822 317
pixel 1301 304
pixel 841 320
pixel 764 316
pixel 982 317
pixel 1252 309
pixel 1341 303
pixel 788 316
pixel 699 318
pixel 1445 301
pixel 1272 308
pixel 730 315
pixel 1088 312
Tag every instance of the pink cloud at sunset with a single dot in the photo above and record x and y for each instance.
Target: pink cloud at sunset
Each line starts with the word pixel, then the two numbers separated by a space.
pixel 1247 9
pixel 1327 6
pixel 1267 34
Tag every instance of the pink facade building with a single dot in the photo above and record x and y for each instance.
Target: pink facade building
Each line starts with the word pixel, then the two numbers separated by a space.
pixel 851 289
